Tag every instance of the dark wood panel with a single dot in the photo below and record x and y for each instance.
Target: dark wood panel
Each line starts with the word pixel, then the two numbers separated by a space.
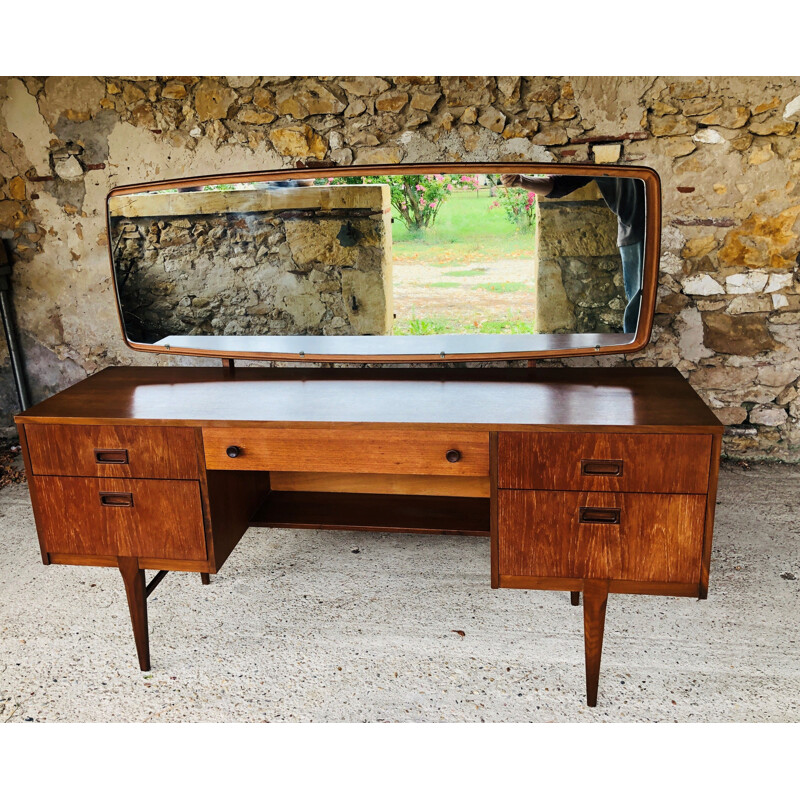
pixel 580 399
pixel 605 462
pixel 36 502
pixel 711 507
pixel 231 499
pixel 329 450
pixel 164 519
pixel 113 451
pixel 374 512
pixel 658 538
pixel 493 520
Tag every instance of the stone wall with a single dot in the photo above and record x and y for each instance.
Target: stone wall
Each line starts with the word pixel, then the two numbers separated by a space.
pixel 284 261
pixel 727 150
pixel 578 275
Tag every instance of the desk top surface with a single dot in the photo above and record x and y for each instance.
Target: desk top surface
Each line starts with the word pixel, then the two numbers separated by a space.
pixel 656 399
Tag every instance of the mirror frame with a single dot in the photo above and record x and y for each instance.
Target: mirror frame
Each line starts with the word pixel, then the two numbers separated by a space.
pixel 605 344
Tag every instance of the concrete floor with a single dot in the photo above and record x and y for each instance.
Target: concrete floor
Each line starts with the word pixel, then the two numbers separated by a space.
pixel 314 626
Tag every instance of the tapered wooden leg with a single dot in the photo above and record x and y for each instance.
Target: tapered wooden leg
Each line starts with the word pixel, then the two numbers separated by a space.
pixel 205 578
pixel 575 598
pixel 137 604
pixel 595 596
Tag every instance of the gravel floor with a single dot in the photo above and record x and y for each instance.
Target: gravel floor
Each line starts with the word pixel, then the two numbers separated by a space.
pixel 315 626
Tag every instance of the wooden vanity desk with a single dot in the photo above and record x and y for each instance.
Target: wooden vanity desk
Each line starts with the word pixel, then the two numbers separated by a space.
pixel 589 481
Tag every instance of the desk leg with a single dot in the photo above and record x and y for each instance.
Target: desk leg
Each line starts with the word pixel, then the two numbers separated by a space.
pixel 205 578
pixel 575 598
pixel 595 596
pixel 133 577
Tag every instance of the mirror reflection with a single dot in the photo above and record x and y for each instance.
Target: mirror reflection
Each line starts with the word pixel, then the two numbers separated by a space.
pixel 382 255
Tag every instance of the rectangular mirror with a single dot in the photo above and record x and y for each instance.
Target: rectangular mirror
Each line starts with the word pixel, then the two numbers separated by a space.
pixel 396 263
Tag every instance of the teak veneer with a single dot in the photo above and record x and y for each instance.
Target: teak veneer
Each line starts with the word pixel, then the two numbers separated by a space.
pixel 591 481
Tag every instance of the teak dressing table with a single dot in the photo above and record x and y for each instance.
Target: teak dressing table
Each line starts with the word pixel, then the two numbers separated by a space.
pixel 592 481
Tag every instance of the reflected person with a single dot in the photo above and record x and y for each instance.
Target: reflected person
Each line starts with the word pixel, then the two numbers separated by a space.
pixel 625 197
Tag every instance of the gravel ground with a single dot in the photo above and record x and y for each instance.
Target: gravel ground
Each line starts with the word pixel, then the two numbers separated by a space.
pixel 316 626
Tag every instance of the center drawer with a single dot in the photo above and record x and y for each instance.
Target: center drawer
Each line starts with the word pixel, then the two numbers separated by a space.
pixel 407 452
pixel 605 462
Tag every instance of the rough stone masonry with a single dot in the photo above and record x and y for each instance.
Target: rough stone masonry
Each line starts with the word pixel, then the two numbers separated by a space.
pixel 727 150
pixel 254 262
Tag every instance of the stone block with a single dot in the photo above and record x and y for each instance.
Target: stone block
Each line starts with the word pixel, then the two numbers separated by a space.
pixel 768 415
pixel 744 335
pixel 606 153
pixel 393 101
pixel 492 119
pixel 212 100
pixel 298 141
pixel 365 87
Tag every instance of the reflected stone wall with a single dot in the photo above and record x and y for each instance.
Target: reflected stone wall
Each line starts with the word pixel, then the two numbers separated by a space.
pixel 300 260
pixel 579 271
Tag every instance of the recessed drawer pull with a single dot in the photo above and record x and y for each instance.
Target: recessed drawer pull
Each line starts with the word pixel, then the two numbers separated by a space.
pixel 603 516
pixel 116 499
pixel 609 468
pixel 111 456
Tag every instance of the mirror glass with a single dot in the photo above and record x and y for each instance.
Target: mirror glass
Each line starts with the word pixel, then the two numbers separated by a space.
pixel 432 262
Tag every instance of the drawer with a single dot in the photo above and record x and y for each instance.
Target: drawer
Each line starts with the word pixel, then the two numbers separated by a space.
pixel 636 537
pixel 114 451
pixel 605 462
pixel 406 452
pixel 120 517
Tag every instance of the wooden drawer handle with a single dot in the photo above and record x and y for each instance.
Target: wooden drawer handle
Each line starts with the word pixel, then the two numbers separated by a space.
pixel 609 468
pixel 603 516
pixel 453 456
pixel 233 451
pixel 116 499
pixel 111 456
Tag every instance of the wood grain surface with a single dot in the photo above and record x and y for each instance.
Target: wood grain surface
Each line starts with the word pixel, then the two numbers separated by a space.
pixel 152 453
pixel 659 537
pixel 326 450
pixel 663 463
pixel 576 399
pixel 364 483
pixel 165 520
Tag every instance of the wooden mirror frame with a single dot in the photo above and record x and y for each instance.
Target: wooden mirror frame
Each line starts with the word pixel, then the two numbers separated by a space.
pixel 599 344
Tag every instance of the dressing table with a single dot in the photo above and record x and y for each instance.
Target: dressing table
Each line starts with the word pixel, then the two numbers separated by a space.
pixel 587 480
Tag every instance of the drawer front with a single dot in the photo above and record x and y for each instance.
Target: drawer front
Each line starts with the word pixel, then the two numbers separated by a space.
pixel 605 462
pixel 312 450
pixel 120 517
pixel 113 451
pixel 636 537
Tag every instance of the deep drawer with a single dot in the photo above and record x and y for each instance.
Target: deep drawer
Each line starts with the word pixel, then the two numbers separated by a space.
pixel 605 462
pixel 636 537
pixel 112 516
pixel 118 451
pixel 348 450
